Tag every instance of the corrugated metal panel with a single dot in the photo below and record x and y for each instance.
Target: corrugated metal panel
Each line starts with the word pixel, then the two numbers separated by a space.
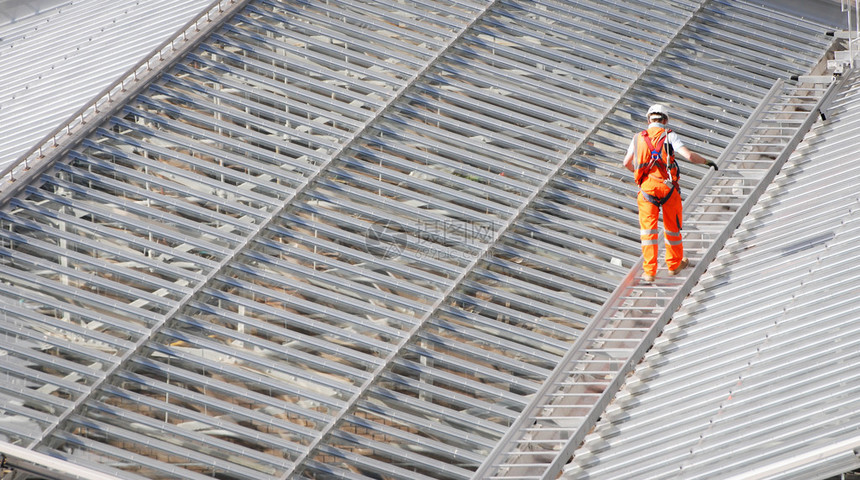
pixel 52 63
pixel 26 10
pixel 349 239
pixel 758 373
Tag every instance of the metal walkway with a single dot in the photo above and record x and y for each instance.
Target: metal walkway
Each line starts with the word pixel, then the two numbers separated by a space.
pixel 354 240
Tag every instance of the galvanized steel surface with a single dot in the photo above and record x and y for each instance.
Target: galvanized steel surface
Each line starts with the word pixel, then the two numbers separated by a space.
pixel 352 239
pixel 53 62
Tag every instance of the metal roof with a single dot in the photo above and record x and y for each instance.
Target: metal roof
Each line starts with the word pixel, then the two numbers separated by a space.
pixel 757 374
pixel 351 239
pixel 55 60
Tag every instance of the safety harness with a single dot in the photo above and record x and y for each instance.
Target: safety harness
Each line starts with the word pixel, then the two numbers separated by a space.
pixel 670 171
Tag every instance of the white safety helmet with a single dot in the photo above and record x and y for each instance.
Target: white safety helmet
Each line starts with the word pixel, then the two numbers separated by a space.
pixel 657 109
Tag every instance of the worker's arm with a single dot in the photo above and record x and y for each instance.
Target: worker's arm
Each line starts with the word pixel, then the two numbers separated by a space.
pixel 696 158
pixel 628 161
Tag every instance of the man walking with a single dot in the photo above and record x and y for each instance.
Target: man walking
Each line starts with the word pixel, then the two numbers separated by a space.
pixel 651 157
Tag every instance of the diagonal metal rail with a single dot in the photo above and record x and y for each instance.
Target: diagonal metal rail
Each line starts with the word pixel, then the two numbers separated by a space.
pixel 594 369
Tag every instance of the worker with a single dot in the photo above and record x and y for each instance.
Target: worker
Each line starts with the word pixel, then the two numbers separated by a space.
pixel 651 156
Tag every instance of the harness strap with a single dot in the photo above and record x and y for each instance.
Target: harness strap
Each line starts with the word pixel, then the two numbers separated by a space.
pixel 657 201
pixel 655 151
pixel 656 157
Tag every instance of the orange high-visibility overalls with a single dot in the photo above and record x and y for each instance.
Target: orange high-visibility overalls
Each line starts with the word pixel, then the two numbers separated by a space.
pixel 656 173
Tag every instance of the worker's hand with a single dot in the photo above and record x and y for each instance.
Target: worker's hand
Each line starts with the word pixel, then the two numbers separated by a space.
pixel 712 165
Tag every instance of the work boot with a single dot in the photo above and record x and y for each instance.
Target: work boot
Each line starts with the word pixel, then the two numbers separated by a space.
pixel 681 266
pixel 648 278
